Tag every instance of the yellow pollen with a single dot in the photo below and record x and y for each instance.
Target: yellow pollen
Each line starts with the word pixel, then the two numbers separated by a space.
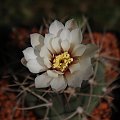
pixel 62 61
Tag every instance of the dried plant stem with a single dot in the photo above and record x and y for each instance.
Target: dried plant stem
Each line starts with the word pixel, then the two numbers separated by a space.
pixel 28 90
pixel 110 57
pixel 72 115
pixel 114 67
pixel 96 68
pixel 11 90
pixel 59 117
pixel 14 108
pixel 89 30
pixel 47 112
pixel 37 106
pixel 38 96
pixel 21 92
pixel 23 102
pixel 82 94
pixel 13 85
pixel 67 100
pixel 90 96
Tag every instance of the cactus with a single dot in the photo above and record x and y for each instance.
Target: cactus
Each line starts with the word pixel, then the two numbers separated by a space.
pixel 67 105
pixel 71 103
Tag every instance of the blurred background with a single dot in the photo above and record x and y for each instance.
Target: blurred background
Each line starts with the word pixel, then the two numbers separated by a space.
pixel 20 18
pixel 104 14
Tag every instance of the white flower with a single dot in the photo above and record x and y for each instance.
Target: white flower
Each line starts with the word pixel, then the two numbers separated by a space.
pixel 61 55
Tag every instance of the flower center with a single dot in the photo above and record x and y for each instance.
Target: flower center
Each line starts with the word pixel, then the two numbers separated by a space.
pixel 62 61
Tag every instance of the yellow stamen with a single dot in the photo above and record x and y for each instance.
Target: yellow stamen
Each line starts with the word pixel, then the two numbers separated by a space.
pixel 62 61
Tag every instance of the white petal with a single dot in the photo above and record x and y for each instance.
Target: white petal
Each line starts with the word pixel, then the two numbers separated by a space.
pixel 45 52
pixel 34 66
pixel 65 45
pixel 74 80
pixel 42 81
pixel 84 73
pixel 58 83
pixel 41 62
pixel 78 50
pixel 29 53
pixel 90 51
pixel 65 34
pixel 47 62
pixel 56 45
pixel 89 72
pixel 55 27
pixel 71 24
pixel 76 36
pixel 86 68
pixel 74 67
pixel 58 72
pixel 84 63
pixel 47 42
pixel 36 39
pixel 52 73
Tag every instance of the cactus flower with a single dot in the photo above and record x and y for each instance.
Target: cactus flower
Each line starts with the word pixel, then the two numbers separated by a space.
pixel 60 55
